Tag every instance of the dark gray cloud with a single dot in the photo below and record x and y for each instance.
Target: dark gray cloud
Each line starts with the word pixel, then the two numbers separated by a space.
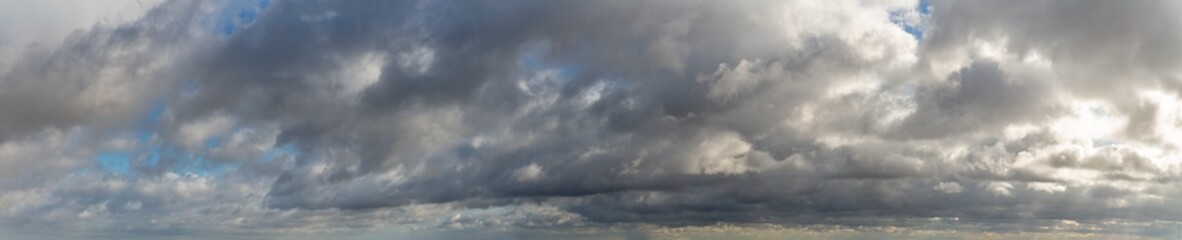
pixel 325 116
pixel 100 77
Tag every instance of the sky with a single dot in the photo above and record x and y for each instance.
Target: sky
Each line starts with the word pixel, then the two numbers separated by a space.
pixel 535 119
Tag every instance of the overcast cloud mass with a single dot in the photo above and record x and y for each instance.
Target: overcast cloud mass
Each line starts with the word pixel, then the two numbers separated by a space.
pixel 535 119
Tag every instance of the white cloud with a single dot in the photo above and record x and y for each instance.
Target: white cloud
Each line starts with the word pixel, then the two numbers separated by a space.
pixel 949 187
pixel 529 173
pixel 193 135
pixel 1046 187
pixel 999 188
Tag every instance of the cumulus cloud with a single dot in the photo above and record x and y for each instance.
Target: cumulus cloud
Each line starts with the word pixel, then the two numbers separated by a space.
pixel 276 117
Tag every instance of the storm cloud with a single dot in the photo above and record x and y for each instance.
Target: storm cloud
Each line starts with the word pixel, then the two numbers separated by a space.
pixel 316 117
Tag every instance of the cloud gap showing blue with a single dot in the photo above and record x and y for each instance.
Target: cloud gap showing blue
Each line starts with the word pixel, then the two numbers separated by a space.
pixel 238 15
pixel 117 162
pixel 914 29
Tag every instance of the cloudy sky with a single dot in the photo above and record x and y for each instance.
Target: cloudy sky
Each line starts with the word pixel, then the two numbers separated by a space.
pixel 535 119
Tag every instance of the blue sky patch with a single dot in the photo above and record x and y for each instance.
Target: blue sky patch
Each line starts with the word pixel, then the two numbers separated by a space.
pixel 238 15
pixel 118 162
pixel 915 29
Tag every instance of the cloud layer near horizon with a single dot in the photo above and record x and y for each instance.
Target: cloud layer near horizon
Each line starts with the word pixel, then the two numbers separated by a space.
pixel 338 116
